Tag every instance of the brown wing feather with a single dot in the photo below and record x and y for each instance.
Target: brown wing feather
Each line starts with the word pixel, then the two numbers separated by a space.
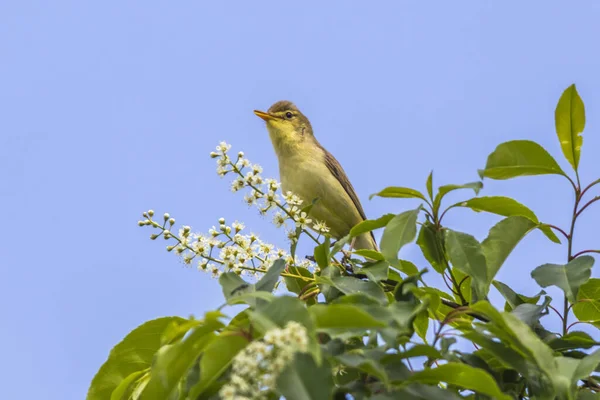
pixel 336 169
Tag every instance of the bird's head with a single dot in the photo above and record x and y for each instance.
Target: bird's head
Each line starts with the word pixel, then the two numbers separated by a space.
pixel 288 128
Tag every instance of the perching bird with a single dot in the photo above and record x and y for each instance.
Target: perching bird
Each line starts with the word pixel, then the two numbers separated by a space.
pixel 311 172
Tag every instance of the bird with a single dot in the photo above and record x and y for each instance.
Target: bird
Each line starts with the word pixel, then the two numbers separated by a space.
pixel 312 173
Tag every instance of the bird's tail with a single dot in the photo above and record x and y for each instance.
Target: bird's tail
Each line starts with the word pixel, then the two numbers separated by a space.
pixel 366 241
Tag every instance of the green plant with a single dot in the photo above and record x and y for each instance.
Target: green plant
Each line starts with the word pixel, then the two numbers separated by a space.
pixel 375 329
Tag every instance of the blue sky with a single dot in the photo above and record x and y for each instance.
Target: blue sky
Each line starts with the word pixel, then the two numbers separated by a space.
pixel 111 108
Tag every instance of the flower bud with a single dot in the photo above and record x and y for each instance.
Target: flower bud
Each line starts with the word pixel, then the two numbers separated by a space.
pixel 170 248
pixel 172 221
pixel 221 221
pixel 213 154
pixel 151 213
pixel 141 223
pixel 153 236
pixel 166 216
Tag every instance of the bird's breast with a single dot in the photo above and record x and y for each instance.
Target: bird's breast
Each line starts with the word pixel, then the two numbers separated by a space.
pixel 310 179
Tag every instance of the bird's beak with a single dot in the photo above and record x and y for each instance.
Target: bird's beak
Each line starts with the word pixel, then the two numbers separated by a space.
pixel 264 115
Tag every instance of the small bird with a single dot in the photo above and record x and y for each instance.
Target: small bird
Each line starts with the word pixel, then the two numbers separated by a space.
pixel 311 172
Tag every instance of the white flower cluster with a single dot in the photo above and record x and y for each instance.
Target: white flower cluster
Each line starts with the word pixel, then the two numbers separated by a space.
pixel 224 249
pixel 264 193
pixel 256 368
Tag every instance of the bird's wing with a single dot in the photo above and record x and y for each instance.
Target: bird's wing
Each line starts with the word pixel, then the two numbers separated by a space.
pixel 336 169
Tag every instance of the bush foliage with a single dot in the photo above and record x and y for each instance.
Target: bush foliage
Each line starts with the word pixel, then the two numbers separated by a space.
pixel 367 325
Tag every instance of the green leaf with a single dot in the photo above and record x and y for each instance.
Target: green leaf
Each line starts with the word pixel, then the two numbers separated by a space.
pixel 399 192
pixel 587 307
pixel 372 254
pixel 359 359
pixel 502 239
pixel 466 254
pixel 377 271
pixel 215 360
pixel 429 185
pixel 303 379
pixel 401 230
pixel 514 299
pixel 296 285
pixel 232 284
pixel 123 391
pixel 268 281
pixel 586 366
pixel 347 285
pixel 407 267
pixel 461 375
pixel 134 353
pixel 431 243
pixel 573 340
pixel 569 118
pixel 343 317
pixel 173 361
pixel 420 350
pixel 328 290
pixel 443 190
pixel 322 254
pixel 567 277
pixel 370 225
pixel 236 290
pixel 519 158
pixel 507 207
pixel 421 324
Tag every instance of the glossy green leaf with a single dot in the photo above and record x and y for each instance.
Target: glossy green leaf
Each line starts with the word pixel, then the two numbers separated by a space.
pixel 431 243
pixel 567 277
pixel 407 267
pixel 370 225
pixel 587 365
pixel 377 271
pixel 125 388
pixel 443 190
pixel 328 290
pixel 268 280
pixel 573 340
pixel 507 207
pixel 531 313
pixel 587 307
pixel 501 241
pixel 347 285
pixel 421 324
pixel 514 299
pixel 429 185
pixel 232 285
pixel 400 231
pixel 569 118
pixel 366 361
pixel 343 316
pixel 296 285
pixel 518 335
pixel 321 254
pixel 461 375
pixel 372 254
pixel 519 158
pixel 466 254
pixel 303 379
pixel 134 353
pixel 399 192
pixel 173 361
pixel 215 360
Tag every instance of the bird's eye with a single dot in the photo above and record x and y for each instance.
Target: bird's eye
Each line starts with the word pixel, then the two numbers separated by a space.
pixel 289 115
